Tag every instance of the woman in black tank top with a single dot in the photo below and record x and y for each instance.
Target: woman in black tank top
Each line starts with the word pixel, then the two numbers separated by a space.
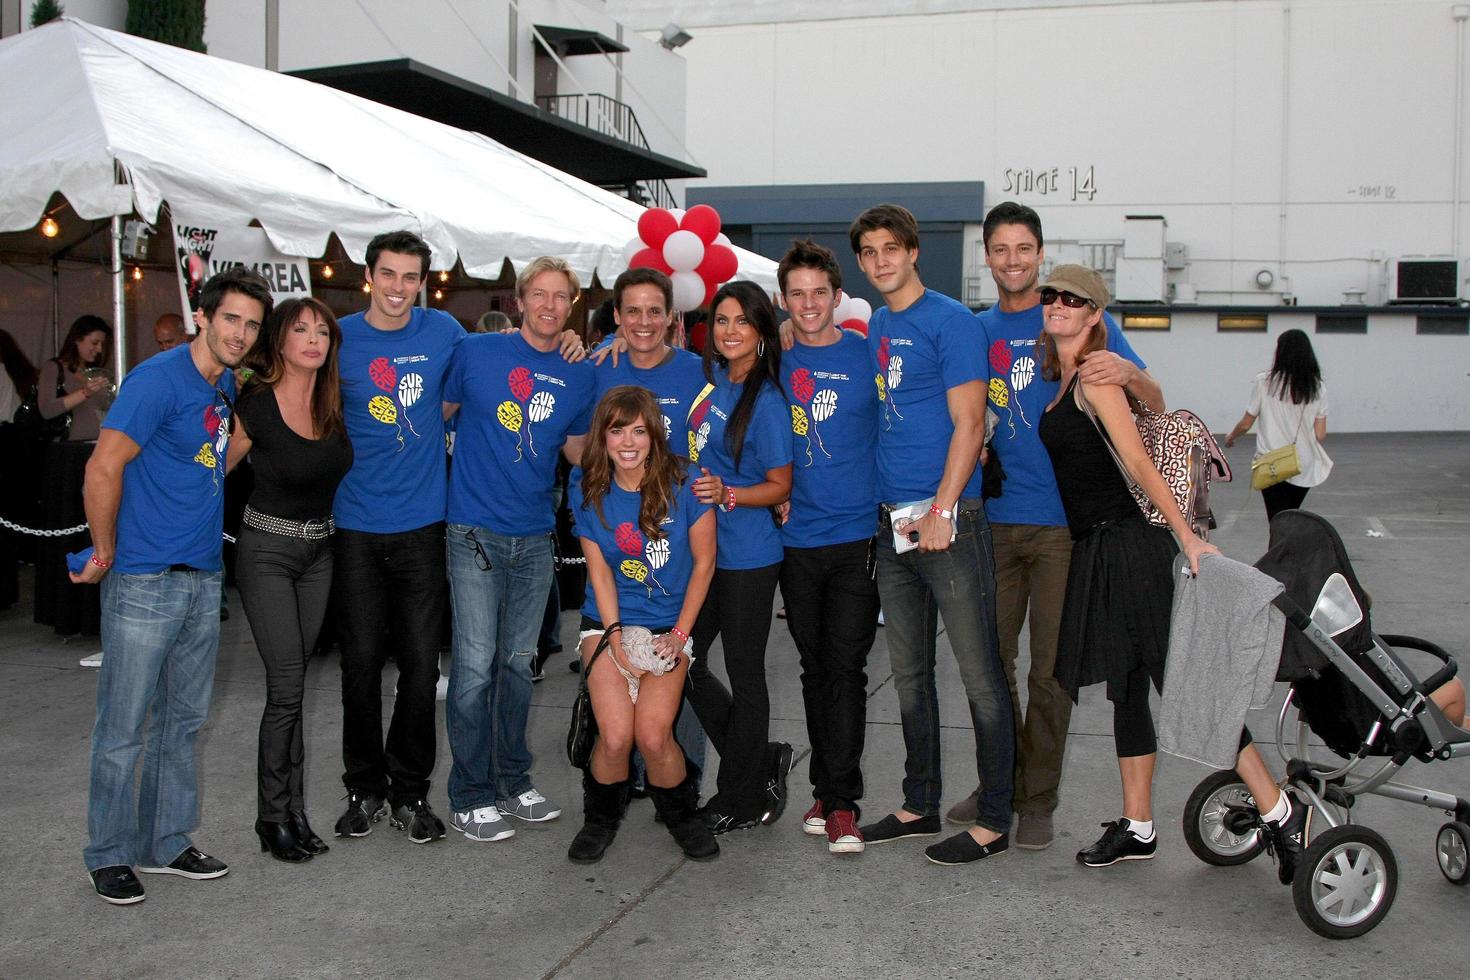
pixel 289 419
pixel 1115 620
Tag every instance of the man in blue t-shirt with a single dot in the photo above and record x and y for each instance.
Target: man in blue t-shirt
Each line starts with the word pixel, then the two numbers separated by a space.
pixel 154 496
pixel 520 404
pixel 935 551
pixel 643 310
pixel 827 572
pixel 388 583
pixel 1032 545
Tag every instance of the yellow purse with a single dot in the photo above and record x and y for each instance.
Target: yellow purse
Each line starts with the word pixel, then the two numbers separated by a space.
pixel 1269 469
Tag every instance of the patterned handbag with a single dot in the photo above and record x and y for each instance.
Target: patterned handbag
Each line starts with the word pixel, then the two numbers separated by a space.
pixel 1183 451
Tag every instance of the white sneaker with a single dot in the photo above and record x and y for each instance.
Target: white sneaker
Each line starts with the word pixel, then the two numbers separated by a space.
pixel 530 806
pixel 92 660
pixel 482 824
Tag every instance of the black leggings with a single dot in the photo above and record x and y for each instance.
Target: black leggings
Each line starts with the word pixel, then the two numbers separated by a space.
pixel 1283 496
pixel 1133 723
pixel 738 609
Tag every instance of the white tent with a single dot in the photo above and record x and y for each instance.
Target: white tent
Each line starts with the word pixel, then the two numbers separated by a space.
pixel 120 125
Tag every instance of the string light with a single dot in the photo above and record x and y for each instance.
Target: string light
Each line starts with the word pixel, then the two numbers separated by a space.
pixel 50 228
pixel 443 275
pixel 327 271
pixel 438 294
pixel 367 287
pixel 137 274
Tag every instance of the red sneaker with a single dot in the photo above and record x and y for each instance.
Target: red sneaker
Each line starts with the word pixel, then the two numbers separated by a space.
pixel 814 823
pixel 843 835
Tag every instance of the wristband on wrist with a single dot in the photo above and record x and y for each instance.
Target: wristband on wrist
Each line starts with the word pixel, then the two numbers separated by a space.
pixel 729 499
pixel 683 636
pixel 939 511
pixel 104 565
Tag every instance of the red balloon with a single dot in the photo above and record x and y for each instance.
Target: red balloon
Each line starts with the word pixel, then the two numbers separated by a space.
pixel 720 264
pixel 710 288
pixel 652 258
pixel 656 224
pixel 855 324
pixel 703 220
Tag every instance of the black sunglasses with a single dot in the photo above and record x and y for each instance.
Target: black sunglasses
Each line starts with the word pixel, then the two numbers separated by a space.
pixel 1050 296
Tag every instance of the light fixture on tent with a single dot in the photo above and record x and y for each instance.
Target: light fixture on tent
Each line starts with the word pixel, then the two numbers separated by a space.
pixel 137 274
pixel 367 287
pixel 443 275
pixel 327 271
pixel 439 294
pixel 49 227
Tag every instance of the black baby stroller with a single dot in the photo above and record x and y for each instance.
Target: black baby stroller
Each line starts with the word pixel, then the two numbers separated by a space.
pixel 1353 691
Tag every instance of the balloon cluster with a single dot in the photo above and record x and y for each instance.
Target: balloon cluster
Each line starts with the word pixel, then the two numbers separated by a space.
pixel 686 246
pixel 853 313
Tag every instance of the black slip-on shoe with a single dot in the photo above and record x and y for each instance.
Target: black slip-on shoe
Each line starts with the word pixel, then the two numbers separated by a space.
pixel 964 849
pixel 892 828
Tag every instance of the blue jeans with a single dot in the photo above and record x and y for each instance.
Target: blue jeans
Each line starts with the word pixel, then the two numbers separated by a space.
pixel 161 635
pixel 497 587
pixel 959 585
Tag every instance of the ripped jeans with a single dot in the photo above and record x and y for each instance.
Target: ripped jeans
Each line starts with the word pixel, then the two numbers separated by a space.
pixel 957 587
pixel 497 588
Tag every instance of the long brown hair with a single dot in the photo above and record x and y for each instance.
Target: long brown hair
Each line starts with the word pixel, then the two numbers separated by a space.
pixel 270 366
pixel 1051 361
pixel 663 471
pixel 69 356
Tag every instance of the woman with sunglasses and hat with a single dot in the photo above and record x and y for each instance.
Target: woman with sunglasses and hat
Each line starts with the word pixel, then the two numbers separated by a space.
pixel 289 421
pixel 1120 585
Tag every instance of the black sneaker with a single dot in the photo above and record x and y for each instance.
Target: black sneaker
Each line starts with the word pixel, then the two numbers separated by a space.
pixel 723 823
pixel 1290 838
pixel 782 758
pixel 1117 843
pixel 419 820
pixel 117 884
pixel 193 863
pixel 363 810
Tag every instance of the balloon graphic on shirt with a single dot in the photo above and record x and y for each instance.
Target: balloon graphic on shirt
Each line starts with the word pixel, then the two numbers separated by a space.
pixel 698 430
pixel 206 457
pixel 895 372
pixel 383 374
pixel 543 403
pixel 211 421
pixel 410 387
pixel 824 405
pixel 508 414
pixel 638 572
pixel 1000 357
pixel 892 367
pixel 1000 397
pixel 700 438
pixel 521 383
pixel 381 407
pixel 1022 371
pixel 1001 365
pixel 801 385
pixel 658 553
pixel 628 539
pixel 882 388
pixel 883 353
pixel 385 377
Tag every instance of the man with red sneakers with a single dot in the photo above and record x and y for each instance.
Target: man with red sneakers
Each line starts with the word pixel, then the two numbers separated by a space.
pixel 827 573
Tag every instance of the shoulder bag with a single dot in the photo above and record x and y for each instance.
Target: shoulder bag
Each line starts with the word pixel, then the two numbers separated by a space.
pixel 32 425
pixel 1269 469
pixel 582 733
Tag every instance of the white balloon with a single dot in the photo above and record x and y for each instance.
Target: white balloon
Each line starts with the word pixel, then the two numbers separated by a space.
pixel 543 403
pixel 683 251
pixel 722 239
pixel 861 310
pixel 688 290
pixel 631 249
pixel 843 312
pixel 678 213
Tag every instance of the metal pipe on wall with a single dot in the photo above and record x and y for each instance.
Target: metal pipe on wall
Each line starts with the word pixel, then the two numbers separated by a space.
pixel 1460 12
pixel 119 302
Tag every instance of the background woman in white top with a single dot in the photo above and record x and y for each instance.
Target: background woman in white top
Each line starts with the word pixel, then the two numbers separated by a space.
pixel 1291 402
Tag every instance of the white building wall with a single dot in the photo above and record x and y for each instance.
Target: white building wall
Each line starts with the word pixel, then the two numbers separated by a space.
pixel 1312 138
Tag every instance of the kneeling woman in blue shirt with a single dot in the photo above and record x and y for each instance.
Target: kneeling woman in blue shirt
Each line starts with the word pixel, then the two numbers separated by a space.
pixel 650 547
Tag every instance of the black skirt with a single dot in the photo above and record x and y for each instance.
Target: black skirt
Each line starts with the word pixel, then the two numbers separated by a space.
pixel 1115 619
pixel 66 607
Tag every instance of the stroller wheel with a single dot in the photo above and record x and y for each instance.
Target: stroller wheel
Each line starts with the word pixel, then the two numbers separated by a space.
pixel 1346 882
pixel 1212 825
pixel 1452 849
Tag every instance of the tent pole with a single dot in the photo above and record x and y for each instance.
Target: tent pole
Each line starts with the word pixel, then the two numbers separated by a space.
pixel 55 307
pixel 119 306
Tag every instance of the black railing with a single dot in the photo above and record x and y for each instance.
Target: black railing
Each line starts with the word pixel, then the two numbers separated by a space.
pixel 599 113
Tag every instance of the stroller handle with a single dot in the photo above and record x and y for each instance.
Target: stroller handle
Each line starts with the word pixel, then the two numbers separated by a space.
pixel 1440 677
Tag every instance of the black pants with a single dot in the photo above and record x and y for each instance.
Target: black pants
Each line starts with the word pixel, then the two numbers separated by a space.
pixel 738 720
pixel 390 591
pixel 1133 722
pixel 832 612
pixel 284 584
pixel 1283 496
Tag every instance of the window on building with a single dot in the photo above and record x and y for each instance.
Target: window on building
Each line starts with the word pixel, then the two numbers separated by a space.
pixel 1342 323
pixel 1145 321
pixel 1443 325
pixel 1249 322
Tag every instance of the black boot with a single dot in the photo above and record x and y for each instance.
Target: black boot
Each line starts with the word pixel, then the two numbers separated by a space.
pixel 677 810
pixel 280 840
pixel 603 806
pixel 305 836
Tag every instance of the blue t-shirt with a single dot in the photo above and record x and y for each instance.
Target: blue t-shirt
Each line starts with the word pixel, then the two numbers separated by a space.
pixel 517 407
pixel 172 508
pixel 748 537
pixel 392 401
pixel 675 384
pixel 1018 396
pixel 652 576
pixel 834 424
pixel 922 352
